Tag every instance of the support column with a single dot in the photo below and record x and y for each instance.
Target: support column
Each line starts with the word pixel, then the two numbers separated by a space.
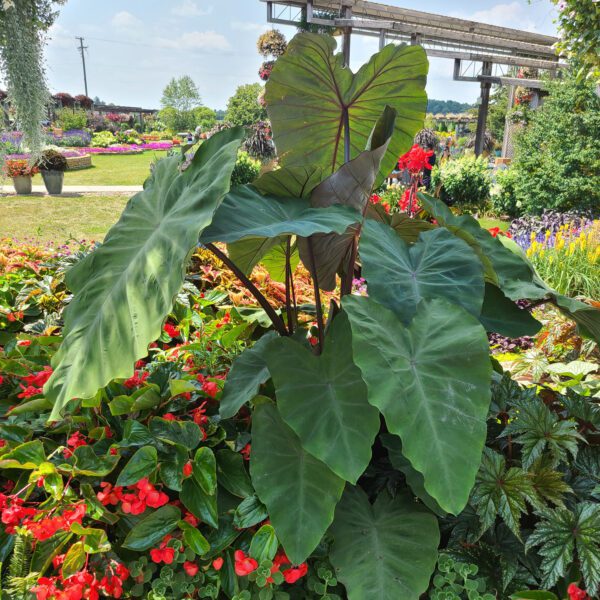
pixel 483 109
pixel 347 14
pixel 382 39
pixel 507 138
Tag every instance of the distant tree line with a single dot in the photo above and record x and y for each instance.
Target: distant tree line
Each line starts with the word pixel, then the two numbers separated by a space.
pixel 441 107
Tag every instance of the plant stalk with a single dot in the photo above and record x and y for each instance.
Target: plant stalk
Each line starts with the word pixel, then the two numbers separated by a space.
pixel 275 318
pixel 288 286
pixel 319 308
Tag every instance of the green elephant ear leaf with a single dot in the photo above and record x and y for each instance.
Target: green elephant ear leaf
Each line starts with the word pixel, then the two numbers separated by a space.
pixel 245 213
pixel 301 506
pixel 507 267
pixel 248 372
pixel 331 386
pixel 124 290
pixel 387 550
pixel 431 381
pixel 503 316
pixel 399 276
pixel 309 92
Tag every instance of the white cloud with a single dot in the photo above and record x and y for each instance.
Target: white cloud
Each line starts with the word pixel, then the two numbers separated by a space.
pixel 197 40
pixel 125 20
pixel 248 26
pixel 59 37
pixel 505 15
pixel 188 8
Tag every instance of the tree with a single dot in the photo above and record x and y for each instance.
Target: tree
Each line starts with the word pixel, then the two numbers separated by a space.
pixel 204 117
pixel 243 107
pixel 181 94
pixel 557 157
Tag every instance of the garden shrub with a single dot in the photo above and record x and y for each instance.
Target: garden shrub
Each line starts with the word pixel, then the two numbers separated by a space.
pixel 557 157
pixel 246 169
pixel 161 388
pixel 502 193
pixel 103 139
pixel 68 118
pixel 464 181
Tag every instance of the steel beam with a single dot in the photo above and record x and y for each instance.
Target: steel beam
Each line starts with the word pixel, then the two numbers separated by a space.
pixel 483 109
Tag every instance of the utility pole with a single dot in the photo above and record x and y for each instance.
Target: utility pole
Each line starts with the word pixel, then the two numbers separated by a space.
pixel 82 50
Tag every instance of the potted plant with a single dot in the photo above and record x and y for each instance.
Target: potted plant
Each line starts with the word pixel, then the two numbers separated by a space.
pixel 52 166
pixel 21 172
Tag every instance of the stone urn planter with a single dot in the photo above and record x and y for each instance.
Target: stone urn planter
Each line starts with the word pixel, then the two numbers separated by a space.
pixel 52 166
pixel 22 184
pixel 53 180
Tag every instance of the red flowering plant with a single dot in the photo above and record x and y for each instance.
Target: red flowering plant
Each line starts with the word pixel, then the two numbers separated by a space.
pixel 415 161
pixel 14 167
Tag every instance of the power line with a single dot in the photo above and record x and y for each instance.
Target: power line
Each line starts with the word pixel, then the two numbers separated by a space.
pixel 82 50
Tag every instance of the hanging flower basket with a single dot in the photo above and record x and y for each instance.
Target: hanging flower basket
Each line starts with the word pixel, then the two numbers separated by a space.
pixel 271 43
pixel 265 70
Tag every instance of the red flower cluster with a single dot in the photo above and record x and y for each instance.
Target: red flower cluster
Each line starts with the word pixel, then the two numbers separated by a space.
pixel 82 585
pixel 210 388
pixel 496 231
pixel 190 568
pixel 163 553
pixel 136 380
pixel 35 382
pixel 74 441
pixel 415 160
pixel 244 565
pixel 40 523
pixel 171 330
pixel 141 495
pixel 376 199
pixel 11 317
pixel 576 593
pixel 19 167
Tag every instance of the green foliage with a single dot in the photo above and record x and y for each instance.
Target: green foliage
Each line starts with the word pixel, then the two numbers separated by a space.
pixel 455 580
pixel 557 159
pixel 243 107
pixel 464 181
pixel 442 107
pixel 578 36
pixel 246 169
pixel 69 118
pixel 103 139
pixel 182 94
pixel 502 192
pixel 22 29
pixel 312 78
pixel 562 534
pixel 170 196
pixel 372 544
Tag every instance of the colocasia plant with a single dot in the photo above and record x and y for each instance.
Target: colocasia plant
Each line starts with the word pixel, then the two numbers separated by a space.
pixel 363 435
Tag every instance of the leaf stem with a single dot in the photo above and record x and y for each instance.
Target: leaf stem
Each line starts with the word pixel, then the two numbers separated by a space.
pixel 275 318
pixel 288 285
pixel 318 306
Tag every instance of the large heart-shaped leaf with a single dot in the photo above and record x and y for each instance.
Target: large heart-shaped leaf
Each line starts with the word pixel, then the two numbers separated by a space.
pixel 503 316
pixel 387 550
pixel 248 372
pixel 309 93
pixel 331 386
pixel 245 213
pixel 299 491
pixel 439 264
pixel 507 266
pixel 350 185
pixel 431 380
pixel 124 290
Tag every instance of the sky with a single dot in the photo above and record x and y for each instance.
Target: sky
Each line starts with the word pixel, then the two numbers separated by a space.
pixel 136 46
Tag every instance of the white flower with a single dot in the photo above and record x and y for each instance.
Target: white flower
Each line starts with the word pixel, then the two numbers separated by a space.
pixel 6 4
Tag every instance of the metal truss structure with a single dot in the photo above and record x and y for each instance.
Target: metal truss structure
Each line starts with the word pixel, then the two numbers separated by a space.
pixel 482 53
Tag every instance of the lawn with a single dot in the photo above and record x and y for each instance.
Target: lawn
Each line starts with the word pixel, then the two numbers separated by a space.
pixel 56 219
pixel 489 222
pixel 129 169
